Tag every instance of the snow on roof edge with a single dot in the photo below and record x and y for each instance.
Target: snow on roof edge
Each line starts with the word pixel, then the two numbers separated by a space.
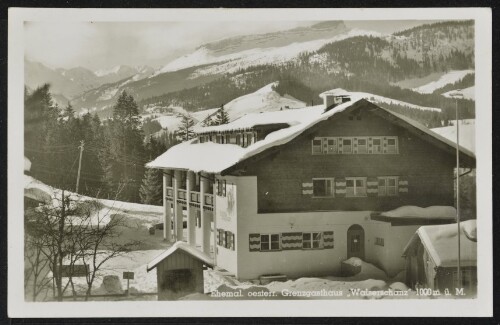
pixel 184 247
pixel 429 132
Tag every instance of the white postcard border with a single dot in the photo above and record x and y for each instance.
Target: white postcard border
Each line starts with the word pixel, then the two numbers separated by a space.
pixel 482 306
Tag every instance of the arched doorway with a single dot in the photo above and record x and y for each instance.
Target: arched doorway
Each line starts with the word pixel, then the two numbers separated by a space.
pixel 356 242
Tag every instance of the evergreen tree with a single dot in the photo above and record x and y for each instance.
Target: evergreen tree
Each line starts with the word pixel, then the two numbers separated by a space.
pixel 221 116
pixel 185 131
pixel 207 121
pixel 124 162
pixel 151 188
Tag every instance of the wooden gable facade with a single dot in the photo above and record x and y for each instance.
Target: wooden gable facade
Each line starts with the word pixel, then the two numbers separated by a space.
pixel 420 170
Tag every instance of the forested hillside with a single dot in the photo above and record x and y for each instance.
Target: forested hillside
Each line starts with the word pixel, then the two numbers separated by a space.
pixel 362 63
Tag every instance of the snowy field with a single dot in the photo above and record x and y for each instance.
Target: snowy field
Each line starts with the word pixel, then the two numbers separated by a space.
pixel 467 133
pixel 448 78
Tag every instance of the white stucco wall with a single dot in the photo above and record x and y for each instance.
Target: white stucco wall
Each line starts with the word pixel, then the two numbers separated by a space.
pixel 226 218
pixel 296 263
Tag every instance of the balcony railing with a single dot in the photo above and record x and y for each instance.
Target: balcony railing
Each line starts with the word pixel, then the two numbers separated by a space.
pixel 195 197
pixel 170 192
pixel 181 195
pixel 209 199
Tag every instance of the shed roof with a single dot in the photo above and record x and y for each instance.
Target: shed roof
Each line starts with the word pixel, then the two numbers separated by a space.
pixel 441 242
pixel 185 247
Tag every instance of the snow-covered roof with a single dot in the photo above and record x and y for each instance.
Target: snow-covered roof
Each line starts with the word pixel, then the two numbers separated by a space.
pixel 248 121
pixel 215 158
pixel 335 92
pixel 180 245
pixel 441 242
pixel 410 214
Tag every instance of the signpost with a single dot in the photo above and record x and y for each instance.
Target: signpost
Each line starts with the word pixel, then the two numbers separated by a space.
pixel 128 276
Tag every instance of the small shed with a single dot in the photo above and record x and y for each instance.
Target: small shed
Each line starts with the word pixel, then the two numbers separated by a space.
pixel 179 271
pixel 432 257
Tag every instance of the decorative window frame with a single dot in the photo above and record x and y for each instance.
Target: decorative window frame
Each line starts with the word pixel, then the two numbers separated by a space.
pixel 332 187
pixel 312 240
pixel 355 187
pixel 270 242
pixel 385 187
pixel 323 146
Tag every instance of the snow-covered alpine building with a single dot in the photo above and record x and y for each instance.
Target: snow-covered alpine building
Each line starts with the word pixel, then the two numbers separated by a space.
pixel 298 191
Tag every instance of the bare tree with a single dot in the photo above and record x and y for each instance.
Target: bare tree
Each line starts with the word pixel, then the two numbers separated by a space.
pixel 69 231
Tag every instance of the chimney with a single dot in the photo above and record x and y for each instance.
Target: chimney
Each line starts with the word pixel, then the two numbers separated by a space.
pixel 332 100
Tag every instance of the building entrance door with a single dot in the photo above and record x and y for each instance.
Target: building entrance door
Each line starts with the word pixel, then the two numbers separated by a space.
pixel 356 242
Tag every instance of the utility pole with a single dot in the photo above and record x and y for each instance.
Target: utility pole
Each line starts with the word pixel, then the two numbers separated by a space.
pixel 82 143
pixel 456 95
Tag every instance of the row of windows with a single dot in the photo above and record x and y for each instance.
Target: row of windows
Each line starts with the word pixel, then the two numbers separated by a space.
pixel 240 139
pixel 272 242
pixel 354 145
pixel 355 186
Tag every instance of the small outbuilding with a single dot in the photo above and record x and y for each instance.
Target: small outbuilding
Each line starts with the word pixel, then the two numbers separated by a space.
pixel 432 257
pixel 179 271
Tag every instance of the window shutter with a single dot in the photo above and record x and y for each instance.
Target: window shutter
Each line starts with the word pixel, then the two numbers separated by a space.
pixel 369 144
pixel 340 187
pixel 372 186
pixel 254 242
pixel 307 188
pixel 224 189
pixel 355 145
pixel 218 237
pixel 232 242
pixel 328 239
pixel 224 238
pixel 384 145
pixel 403 185
pixel 291 240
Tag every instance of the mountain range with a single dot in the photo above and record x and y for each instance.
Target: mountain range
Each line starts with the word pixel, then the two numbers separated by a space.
pixel 305 61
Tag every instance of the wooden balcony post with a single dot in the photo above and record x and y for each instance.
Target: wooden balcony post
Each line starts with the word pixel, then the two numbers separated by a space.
pixel 191 221
pixel 205 221
pixel 177 207
pixel 167 213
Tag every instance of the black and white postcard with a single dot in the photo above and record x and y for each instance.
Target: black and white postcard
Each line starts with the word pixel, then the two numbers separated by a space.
pixel 249 162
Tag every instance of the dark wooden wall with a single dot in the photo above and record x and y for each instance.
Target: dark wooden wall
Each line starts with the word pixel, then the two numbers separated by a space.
pixel 429 170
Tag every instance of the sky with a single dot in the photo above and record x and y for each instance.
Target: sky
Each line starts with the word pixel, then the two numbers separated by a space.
pixel 104 45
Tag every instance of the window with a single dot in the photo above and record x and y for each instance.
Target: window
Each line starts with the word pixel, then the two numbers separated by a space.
pixel 249 139
pixel 392 145
pixel 238 141
pixel 388 186
pixel 379 241
pixel 202 139
pixel 362 146
pixel 323 187
pixel 377 145
pixel 332 145
pixel 316 146
pixel 311 240
pixel 270 242
pixel 346 146
pixel 355 186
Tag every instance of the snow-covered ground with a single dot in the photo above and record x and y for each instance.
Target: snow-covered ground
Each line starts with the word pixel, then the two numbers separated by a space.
pixel 448 78
pixel 370 283
pixel 262 100
pixel 467 93
pixel 467 133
